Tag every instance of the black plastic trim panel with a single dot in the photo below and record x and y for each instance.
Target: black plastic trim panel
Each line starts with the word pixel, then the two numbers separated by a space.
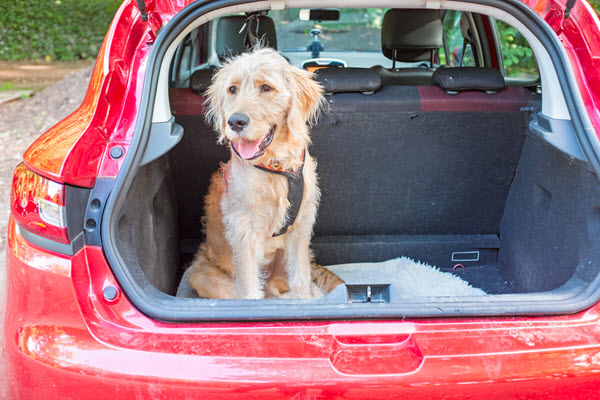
pixel 161 306
pixel 68 249
pixel 95 210
pixel 75 200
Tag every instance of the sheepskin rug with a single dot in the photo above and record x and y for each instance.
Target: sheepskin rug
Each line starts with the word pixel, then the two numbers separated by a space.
pixel 407 275
pixel 403 274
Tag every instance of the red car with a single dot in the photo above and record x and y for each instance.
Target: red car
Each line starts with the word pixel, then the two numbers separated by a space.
pixel 463 134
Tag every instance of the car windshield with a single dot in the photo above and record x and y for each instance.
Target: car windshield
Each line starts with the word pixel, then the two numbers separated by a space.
pixel 358 29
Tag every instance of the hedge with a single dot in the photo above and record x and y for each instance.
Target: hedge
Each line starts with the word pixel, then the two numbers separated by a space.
pixel 55 29
pixel 596 5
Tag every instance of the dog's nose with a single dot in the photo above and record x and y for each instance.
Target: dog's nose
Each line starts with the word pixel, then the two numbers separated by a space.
pixel 237 122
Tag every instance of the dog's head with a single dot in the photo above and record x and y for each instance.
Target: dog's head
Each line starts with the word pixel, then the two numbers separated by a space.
pixel 262 104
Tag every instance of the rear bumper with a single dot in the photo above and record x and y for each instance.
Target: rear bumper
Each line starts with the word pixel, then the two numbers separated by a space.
pixel 63 340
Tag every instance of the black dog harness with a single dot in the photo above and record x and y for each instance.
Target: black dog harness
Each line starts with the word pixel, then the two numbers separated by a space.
pixel 295 187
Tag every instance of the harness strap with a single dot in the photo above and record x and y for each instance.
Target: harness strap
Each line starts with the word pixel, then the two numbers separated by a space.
pixel 295 188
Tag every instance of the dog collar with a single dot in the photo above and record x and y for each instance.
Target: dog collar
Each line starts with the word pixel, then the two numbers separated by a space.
pixel 295 187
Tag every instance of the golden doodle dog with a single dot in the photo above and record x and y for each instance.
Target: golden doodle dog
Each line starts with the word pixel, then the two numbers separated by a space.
pixel 262 204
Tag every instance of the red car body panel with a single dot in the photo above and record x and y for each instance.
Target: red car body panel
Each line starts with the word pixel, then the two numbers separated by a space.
pixel 64 340
pixel 74 338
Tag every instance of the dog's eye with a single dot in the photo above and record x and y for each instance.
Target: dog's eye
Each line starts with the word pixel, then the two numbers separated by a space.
pixel 232 89
pixel 265 88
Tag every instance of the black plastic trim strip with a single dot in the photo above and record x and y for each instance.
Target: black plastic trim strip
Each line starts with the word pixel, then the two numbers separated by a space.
pixel 68 249
pixel 95 210
pixel 76 199
pixel 158 305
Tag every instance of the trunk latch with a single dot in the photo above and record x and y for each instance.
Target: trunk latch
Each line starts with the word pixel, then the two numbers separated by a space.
pixel 368 293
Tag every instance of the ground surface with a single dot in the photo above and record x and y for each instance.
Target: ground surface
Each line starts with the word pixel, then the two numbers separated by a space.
pixel 22 121
pixel 36 75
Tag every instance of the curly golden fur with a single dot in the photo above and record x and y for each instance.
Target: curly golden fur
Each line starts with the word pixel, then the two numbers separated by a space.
pixel 245 205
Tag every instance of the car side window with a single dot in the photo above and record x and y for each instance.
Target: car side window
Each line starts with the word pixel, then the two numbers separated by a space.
pixel 519 61
pixel 186 58
pixel 458 48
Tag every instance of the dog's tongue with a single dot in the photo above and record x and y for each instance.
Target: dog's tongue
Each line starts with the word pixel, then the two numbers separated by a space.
pixel 247 148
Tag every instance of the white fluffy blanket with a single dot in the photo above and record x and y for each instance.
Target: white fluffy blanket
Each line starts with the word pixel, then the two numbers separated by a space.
pixel 403 274
pixel 412 277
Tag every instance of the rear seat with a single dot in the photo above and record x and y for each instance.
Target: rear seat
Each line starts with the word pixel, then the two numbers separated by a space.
pixel 410 36
pixel 398 162
pixel 392 160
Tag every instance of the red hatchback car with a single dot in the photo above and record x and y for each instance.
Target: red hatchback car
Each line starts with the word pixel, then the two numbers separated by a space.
pixel 460 133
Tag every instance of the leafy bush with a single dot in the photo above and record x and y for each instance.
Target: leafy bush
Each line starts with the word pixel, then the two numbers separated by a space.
pixel 596 5
pixel 56 29
pixel 519 61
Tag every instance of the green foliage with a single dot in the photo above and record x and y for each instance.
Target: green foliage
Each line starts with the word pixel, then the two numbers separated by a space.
pixel 455 41
pixel 54 29
pixel 596 5
pixel 519 61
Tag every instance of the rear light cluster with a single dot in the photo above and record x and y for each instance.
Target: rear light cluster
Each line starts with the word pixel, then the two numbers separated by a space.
pixel 38 204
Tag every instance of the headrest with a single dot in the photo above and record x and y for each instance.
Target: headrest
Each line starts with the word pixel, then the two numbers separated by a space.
pixel 413 34
pixel 339 80
pixel 230 41
pixel 468 78
pixel 200 80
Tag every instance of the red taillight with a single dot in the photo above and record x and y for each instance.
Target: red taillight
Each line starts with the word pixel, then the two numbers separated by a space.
pixel 38 204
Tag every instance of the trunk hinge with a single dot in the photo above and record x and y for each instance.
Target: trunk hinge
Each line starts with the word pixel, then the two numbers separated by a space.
pixel 141 4
pixel 556 16
pixel 153 18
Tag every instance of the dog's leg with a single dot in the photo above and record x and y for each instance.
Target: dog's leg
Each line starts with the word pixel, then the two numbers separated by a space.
pixel 297 239
pixel 248 260
pixel 277 283
pixel 297 265
pixel 210 281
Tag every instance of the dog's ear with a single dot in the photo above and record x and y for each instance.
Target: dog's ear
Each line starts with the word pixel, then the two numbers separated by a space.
pixel 213 105
pixel 307 100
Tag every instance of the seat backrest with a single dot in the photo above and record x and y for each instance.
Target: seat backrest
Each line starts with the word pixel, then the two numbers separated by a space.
pixel 410 36
pixel 455 80
pixel 346 80
pixel 229 41
pixel 403 160
pixel 230 35
pixel 417 160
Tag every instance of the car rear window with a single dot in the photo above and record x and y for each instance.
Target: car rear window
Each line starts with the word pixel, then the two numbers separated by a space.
pixel 358 29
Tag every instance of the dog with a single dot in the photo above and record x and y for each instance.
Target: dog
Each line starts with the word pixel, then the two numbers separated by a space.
pixel 262 204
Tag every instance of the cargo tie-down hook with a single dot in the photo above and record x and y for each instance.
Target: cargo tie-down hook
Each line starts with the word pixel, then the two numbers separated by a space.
pixel 458 265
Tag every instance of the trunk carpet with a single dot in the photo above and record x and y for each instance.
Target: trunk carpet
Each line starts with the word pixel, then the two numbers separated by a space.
pixel 405 276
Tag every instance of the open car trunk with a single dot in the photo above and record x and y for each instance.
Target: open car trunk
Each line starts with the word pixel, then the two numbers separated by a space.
pixel 498 188
pixel 466 179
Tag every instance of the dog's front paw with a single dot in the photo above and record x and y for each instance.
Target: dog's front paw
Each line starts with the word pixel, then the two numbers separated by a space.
pixel 313 293
pixel 252 295
pixel 296 295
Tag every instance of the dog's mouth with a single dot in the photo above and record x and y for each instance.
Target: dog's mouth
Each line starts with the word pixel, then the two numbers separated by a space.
pixel 251 149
